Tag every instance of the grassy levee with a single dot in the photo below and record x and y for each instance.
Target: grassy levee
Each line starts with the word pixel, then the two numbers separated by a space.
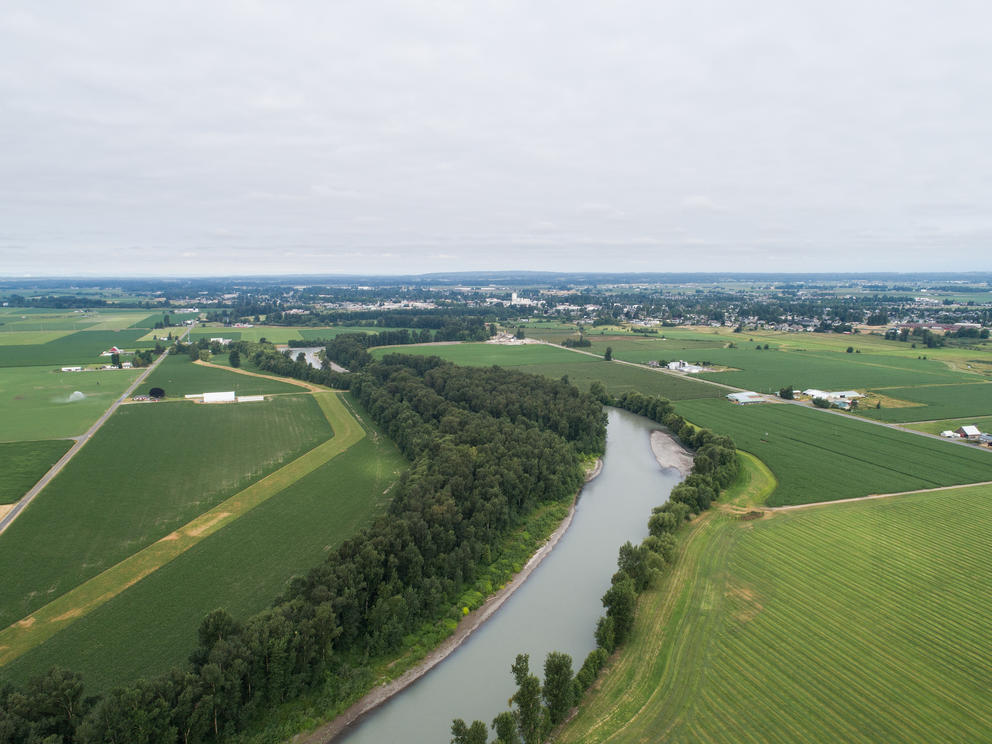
pixel 818 456
pixel 61 612
pixel 23 463
pixel 149 470
pixel 855 622
pixel 179 376
pixel 938 402
pixel 36 403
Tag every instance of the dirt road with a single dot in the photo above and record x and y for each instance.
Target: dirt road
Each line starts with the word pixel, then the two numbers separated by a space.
pixel 21 505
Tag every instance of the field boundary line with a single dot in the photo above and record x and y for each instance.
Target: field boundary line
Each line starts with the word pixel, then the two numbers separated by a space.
pixel 872 496
pixel 31 631
pixel 37 488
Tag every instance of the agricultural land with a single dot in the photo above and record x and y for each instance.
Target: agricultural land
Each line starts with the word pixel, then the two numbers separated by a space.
pixel 850 622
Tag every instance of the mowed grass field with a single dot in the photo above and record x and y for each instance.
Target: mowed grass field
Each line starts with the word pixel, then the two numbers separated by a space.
pixel 861 622
pixel 150 469
pixel 152 626
pixel 178 376
pixel 35 402
pixel 23 463
pixel 935 402
pixel 818 456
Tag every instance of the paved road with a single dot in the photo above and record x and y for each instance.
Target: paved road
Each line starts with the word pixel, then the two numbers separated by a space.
pixel 21 505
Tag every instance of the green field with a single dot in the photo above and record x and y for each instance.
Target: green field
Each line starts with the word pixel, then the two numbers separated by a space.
pixel 241 568
pixel 178 376
pixel 581 369
pixel 819 456
pixel 854 622
pixel 150 469
pixel 83 347
pixel 936 402
pixel 36 403
pixel 485 355
pixel 23 463
pixel 622 378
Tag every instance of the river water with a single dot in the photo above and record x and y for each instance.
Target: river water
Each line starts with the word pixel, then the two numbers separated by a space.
pixel 555 610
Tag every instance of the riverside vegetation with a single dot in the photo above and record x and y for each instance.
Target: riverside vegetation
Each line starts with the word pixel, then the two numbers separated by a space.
pixel 488 448
pixel 538 708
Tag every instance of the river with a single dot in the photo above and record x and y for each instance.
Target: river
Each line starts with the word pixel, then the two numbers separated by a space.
pixel 555 610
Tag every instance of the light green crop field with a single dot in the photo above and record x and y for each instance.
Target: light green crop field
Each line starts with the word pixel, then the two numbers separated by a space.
pixel 150 469
pixel 152 626
pixel 29 338
pixel 854 622
pixel 275 334
pixel 37 403
pixel 83 347
pixel 309 334
pixel 819 456
pixel 581 369
pixel 938 402
pixel 178 376
pixel 23 463
pixel 984 423
pixel 622 378
pixel 485 355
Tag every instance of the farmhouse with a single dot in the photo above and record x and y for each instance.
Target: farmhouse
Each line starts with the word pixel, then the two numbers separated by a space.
pixel 683 366
pixel 746 397
pixel 968 432
pixel 221 341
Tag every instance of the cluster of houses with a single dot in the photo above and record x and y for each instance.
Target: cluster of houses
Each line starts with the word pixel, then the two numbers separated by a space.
pixel 970 433
pixel 842 399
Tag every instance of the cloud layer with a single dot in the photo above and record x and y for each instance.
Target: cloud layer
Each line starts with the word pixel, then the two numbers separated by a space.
pixel 251 137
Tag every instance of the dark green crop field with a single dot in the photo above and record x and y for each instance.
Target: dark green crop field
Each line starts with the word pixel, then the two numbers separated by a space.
pixel 23 463
pixel 152 626
pixel 819 456
pixel 861 622
pixel 485 355
pixel 150 469
pixel 83 347
pixel 178 376
pixel 937 402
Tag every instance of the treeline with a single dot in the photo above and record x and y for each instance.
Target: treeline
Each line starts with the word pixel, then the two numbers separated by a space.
pixel 487 446
pixel 538 708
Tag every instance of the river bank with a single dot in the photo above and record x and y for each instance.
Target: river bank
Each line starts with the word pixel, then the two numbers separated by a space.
pixel 468 625
pixel 670 453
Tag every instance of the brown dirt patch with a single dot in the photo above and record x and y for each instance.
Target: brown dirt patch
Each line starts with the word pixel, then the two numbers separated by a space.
pixel 75 612
pixel 26 622
pixel 201 528
pixel 749 606
pixel 171 536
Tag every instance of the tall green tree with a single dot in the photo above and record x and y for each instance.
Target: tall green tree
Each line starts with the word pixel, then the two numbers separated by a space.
pixel 527 698
pixel 558 692
pixel 473 734
pixel 505 726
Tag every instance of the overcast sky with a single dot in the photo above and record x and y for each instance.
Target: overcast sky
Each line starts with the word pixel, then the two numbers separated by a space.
pixel 376 137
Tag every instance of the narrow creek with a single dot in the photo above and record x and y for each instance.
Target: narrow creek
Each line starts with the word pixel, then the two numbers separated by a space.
pixel 555 610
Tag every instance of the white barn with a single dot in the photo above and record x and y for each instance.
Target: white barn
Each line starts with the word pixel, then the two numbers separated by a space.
pixel 225 397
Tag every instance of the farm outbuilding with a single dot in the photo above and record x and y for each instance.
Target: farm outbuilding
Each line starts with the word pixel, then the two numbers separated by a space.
pixel 250 398
pixel 746 397
pixel 969 432
pixel 225 397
